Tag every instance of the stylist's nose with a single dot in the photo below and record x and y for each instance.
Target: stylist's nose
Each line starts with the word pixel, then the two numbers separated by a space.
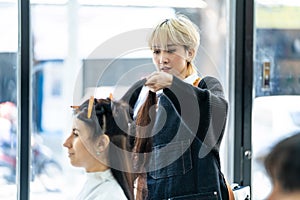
pixel 163 59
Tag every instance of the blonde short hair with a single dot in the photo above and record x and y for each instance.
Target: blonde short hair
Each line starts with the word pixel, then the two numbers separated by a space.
pixel 179 30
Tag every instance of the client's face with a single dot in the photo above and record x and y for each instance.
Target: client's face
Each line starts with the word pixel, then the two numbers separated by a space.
pixel 77 145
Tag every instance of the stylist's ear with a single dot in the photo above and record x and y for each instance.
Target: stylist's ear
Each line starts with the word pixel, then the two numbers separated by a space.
pixel 103 142
pixel 191 53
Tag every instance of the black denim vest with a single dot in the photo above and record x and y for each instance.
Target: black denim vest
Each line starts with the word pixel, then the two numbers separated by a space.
pixel 179 170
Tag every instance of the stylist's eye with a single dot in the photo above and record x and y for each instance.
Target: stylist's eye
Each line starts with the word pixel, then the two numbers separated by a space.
pixel 156 51
pixel 171 50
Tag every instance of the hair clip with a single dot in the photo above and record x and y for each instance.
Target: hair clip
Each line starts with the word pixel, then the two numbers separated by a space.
pixel 90 107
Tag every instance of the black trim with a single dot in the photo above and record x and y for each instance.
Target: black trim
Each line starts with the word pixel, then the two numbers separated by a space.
pixel 24 101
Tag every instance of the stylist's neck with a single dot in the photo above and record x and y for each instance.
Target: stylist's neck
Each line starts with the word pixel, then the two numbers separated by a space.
pixel 183 75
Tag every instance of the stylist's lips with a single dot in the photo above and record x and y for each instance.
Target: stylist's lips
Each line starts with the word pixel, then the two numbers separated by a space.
pixel 165 69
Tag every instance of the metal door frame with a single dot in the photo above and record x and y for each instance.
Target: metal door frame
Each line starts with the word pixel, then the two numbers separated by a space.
pixel 23 102
pixel 243 91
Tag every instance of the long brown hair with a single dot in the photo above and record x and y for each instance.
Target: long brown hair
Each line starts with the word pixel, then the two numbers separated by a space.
pixel 144 124
pixel 143 142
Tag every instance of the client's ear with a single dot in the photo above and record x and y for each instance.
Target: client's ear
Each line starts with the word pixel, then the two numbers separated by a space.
pixel 103 142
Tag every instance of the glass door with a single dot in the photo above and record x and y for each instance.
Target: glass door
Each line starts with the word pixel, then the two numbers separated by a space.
pixel 276 104
pixel 82 48
pixel 8 98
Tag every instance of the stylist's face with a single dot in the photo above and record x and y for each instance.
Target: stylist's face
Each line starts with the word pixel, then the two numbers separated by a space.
pixel 78 154
pixel 172 60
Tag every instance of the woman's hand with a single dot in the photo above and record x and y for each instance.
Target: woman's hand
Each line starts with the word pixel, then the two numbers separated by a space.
pixel 159 80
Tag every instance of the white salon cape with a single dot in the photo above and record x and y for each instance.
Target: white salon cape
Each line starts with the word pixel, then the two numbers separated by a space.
pixel 101 186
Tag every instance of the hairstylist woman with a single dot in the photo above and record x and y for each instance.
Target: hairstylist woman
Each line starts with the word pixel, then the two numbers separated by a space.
pixel 178 139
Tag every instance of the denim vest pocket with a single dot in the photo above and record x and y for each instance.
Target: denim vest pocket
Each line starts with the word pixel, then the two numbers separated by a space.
pixel 199 196
pixel 172 159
